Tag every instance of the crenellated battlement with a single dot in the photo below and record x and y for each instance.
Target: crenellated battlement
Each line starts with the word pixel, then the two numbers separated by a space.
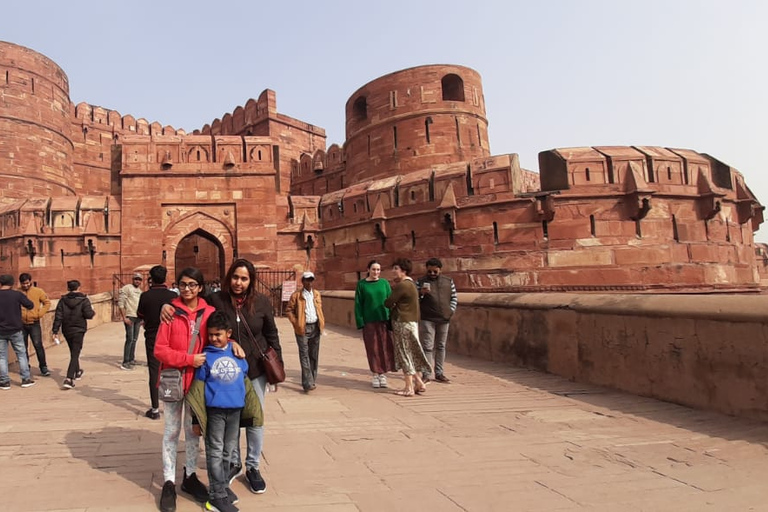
pixel 89 115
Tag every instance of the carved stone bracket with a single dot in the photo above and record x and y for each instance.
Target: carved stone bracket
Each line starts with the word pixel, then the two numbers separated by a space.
pixel 638 204
pixel 544 206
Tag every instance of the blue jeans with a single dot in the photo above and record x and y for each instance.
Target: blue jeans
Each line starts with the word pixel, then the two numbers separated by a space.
pixel 220 438
pixel 131 335
pixel 253 435
pixel 16 340
pixel 34 332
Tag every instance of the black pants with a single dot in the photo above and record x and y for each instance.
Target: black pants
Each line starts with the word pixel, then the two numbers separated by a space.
pixel 33 331
pixel 75 342
pixel 154 368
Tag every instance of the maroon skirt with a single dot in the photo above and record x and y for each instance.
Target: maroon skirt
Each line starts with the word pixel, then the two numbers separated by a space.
pixel 379 347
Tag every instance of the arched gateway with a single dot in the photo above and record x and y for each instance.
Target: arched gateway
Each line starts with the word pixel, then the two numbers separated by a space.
pixel 198 240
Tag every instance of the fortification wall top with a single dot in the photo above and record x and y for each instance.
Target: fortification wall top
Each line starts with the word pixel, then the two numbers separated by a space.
pixel 90 115
pixel 242 120
pixel 16 57
pixel 433 88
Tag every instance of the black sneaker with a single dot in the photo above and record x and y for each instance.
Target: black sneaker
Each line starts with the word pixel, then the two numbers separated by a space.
pixel 256 483
pixel 220 505
pixel 45 372
pixel 68 384
pixel 168 497
pixel 233 499
pixel 79 374
pixel 27 383
pixel 234 471
pixel 127 367
pixel 153 415
pixel 191 485
pixel 5 385
pixel 442 378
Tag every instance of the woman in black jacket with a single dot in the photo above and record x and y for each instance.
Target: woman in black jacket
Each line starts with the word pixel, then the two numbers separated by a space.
pixel 240 301
pixel 72 314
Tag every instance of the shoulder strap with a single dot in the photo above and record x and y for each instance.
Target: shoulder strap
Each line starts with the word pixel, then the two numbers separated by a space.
pixel 248 330
pixel 195 331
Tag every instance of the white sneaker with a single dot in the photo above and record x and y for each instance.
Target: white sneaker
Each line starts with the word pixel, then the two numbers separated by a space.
pixel 382 381
pixel 376 382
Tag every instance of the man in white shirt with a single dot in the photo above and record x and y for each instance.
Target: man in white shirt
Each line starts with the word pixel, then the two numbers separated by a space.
pixel 305 311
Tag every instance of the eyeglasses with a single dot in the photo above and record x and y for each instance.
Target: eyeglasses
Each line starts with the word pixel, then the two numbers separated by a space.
pixel 191 286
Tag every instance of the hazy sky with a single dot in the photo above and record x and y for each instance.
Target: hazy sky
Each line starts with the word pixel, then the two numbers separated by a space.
pixel 687 74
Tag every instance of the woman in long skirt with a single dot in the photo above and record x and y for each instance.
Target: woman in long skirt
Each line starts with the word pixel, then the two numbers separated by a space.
pixel 404 303
pixel 372 317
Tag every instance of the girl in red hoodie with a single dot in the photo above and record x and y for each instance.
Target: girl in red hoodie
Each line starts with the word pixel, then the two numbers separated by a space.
pixel 172 350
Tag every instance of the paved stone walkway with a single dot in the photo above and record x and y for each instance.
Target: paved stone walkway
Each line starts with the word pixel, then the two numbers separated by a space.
pixel 496 439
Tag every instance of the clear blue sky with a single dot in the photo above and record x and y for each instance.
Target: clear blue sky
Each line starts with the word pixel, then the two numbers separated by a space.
pixel 674 73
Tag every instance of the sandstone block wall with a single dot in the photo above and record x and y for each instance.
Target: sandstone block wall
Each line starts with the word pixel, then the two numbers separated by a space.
pixel 35 141
pixel 415 118
pixel 702 351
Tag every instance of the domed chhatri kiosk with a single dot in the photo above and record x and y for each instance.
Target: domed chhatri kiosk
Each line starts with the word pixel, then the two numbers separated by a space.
pixel 93 193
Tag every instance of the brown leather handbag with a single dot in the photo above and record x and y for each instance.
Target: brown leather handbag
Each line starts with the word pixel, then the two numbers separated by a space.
pixel 273 368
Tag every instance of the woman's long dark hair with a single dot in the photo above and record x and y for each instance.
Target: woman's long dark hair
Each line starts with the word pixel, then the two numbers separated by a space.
pixel 250 294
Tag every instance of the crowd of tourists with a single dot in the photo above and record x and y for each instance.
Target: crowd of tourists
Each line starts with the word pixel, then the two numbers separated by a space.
pixel 213 353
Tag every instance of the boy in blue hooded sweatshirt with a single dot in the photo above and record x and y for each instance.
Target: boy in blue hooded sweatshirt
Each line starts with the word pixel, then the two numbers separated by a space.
pixel 223 376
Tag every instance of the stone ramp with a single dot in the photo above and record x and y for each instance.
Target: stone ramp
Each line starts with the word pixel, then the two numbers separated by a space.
pixel 496 439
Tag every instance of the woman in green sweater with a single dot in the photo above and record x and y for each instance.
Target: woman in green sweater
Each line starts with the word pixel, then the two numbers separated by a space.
pixel 372 317
pixel 404 303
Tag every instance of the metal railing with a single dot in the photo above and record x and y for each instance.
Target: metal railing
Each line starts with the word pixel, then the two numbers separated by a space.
pixel 270 283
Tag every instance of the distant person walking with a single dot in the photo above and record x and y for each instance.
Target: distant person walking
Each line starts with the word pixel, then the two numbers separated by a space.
pixel 404 303
pixel 72 314
pixel 31 320
pixel 150 304
pixel 128 303
pixel 305 312
pixel 11 302
pixel 373 318
pixel 438 302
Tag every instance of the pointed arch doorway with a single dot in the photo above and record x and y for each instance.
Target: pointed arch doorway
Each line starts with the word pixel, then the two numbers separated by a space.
pixel 202 250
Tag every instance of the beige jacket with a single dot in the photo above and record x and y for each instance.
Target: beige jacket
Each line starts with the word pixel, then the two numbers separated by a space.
pixel 296 311
pixel 42 304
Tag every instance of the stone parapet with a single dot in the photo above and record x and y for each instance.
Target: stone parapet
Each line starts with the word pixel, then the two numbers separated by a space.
pixel 701 351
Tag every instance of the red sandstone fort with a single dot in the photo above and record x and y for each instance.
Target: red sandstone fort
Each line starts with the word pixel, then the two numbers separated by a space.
pixel 88 193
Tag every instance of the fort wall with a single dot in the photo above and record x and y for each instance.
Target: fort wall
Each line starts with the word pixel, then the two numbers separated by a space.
pixel 603 228
pixel 35 140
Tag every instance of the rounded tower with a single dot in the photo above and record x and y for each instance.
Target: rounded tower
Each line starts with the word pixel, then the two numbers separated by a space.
pixel 413 119
pixel 35 142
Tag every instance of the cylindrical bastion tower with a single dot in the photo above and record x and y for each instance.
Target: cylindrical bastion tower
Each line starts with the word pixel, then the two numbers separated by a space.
pixel 35 142
pixel 414 119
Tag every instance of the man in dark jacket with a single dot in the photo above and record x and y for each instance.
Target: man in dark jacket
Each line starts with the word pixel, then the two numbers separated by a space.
pixel 438 301
pixel 150 303
pixel 11 302
pixel 72 314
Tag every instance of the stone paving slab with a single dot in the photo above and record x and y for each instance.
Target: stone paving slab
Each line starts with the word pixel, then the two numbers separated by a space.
pixel 496 439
